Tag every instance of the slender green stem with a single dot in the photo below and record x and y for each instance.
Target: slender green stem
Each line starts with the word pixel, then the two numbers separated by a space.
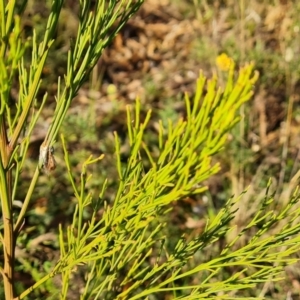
pixel 9 241
pixel 26 201
pixel 37 284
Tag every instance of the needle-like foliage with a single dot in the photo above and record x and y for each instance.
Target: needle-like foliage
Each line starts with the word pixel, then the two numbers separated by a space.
pixel 116 251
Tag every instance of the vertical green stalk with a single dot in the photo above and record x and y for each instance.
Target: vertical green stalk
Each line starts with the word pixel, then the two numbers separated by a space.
pixel 6 172
pixel 8 241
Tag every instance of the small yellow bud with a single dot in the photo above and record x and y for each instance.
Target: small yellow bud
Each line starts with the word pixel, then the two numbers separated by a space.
pixel 224 62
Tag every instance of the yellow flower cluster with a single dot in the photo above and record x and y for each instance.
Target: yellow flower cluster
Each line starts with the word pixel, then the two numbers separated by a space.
pixel 224 62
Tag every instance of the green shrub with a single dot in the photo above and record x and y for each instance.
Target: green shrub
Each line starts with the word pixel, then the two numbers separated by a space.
pixel 120 249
